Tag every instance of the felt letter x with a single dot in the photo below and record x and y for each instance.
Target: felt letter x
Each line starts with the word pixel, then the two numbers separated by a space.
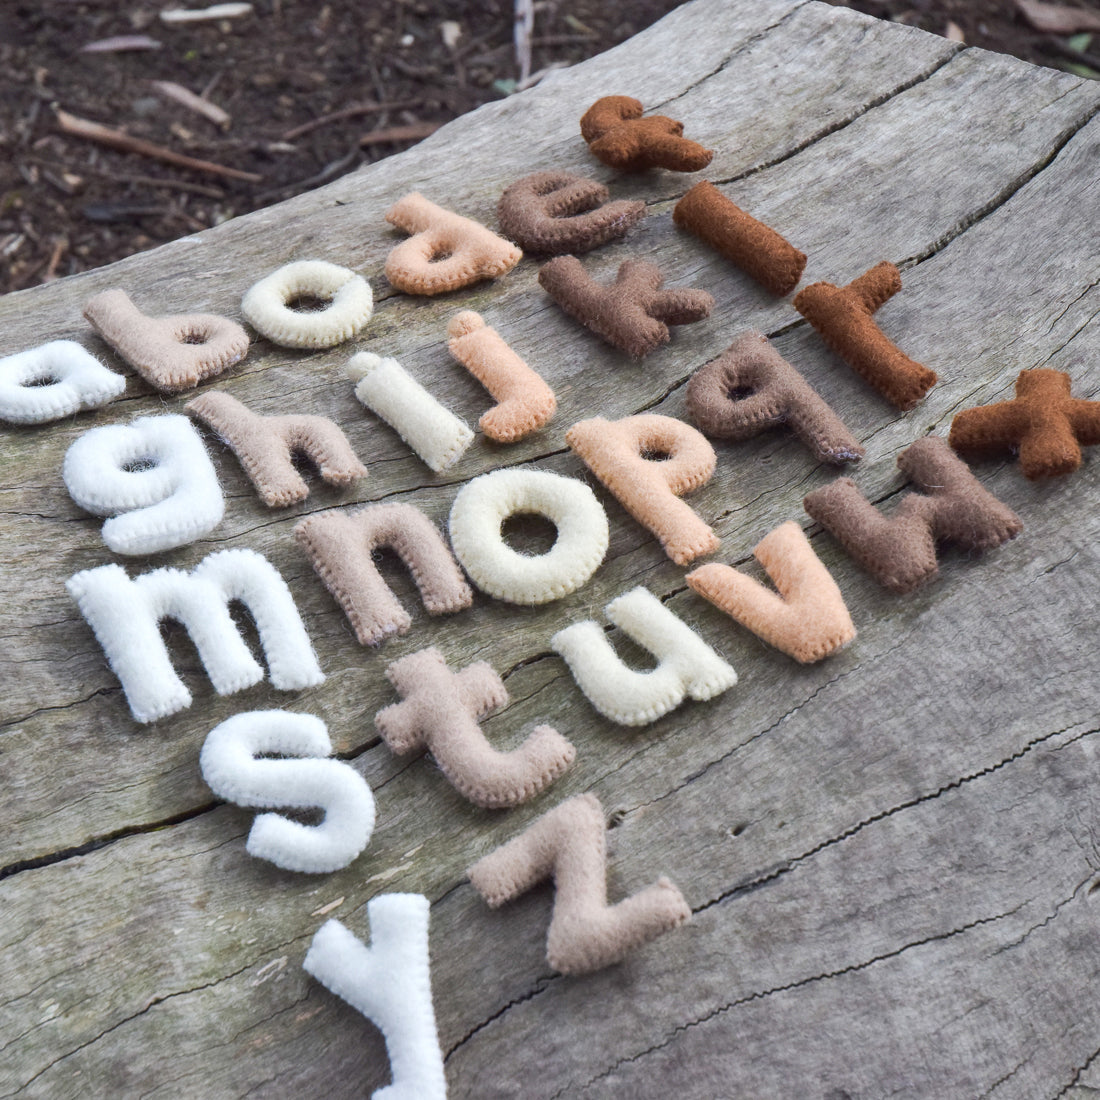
pixel 440 711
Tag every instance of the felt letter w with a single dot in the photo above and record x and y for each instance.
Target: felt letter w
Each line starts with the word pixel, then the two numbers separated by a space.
pixel 389 983
pixel 440 711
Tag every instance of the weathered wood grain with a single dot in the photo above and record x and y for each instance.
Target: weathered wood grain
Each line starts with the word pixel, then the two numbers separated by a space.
pixel 889 855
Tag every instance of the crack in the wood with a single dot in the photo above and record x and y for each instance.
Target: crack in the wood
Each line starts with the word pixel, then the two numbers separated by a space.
pixel 1006 1077
pixel 757 995
pixel 1071 304
pixel 1043 923
pixel 1078 1072
pixel 59 706
pixel 1069 340
pixel 541 984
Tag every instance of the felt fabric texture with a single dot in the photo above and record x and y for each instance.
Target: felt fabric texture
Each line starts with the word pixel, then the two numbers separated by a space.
pixel 1044 422
pixel 235 765
pixel 951 506
pixel 482 506
pixel 650 488
pixel 617 134
pixel 843 316
pixel 750 387
pixel 438 436
pixel 632 314
pixel 75 380
pixel 439 713
pixel 446 251
pixel 341 547
pixel 686 665
pixel 757 249
pixel 569 845
pixel 153 476
pixel 125 615
pixel 524 401
pixel 266 308
pixel 265 446
pixel 807 619
pixel 558 212
pixel 171 353
pixel 389 983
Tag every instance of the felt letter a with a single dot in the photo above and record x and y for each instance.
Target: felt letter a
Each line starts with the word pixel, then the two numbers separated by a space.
pixel 125 615
pixel 54 380
pixel 952 506
pixel 232 767
pixel 439 712
pixel 340 547
pixel 172 353
pixel 649 488
pixel 152 476
pixel 389 983
pixel 687 665
pixel 807 620
pixel 569 845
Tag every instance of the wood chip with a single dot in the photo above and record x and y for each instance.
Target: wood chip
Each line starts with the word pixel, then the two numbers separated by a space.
pixel 116 139
pixel 327 908
pixel 186 98
pixel 954 33
pixel 199 15
pixel 120 43
pixel 413 132
pixel 1058 18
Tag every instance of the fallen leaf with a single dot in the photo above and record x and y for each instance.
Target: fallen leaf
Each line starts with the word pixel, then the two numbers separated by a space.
pixel 1080 70
pixel 1079 42
pixel 1058 18
pixel 954 32
pixel 121 42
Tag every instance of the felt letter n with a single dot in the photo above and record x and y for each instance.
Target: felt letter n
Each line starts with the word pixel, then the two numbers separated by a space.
pixel 649 488
pixel 341 547
pixel 152 476
pixel 952 505
pixel 234 770
pixel 686 664
pixel 569 845
pixel 389 983
pixel 172 353
pixel 439 712
pixel 266 445
pixel 125 615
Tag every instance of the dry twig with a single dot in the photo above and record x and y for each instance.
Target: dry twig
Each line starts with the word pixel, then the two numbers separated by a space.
pixel 185 98
pixel 413 132
pixel 116 139
pixel 354 111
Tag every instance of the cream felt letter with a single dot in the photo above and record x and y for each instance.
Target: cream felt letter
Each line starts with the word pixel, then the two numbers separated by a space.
pixel 54 380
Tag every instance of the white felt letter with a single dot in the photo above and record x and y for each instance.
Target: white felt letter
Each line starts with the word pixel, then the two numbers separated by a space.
pixel 73 380
pixel 125 614
pixel 390 983
pixel 153 476
pixel 687 665
pixel 386 388
pixel 231 770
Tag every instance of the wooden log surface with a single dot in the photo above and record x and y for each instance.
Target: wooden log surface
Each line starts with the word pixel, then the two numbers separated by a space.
pixel 891 856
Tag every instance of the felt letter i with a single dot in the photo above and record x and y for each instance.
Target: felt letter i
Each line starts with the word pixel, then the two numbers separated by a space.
pixel 389 983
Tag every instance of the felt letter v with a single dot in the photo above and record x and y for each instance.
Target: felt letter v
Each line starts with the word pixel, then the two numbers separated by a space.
pixel 390 983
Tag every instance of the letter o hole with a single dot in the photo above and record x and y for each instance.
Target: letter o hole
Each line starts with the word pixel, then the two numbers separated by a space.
pixel 477 518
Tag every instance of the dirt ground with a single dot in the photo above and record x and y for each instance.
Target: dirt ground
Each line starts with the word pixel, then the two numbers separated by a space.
pixel 309 90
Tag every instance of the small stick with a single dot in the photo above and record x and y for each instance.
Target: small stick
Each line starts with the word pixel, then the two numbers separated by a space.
pixel 186 98
pixel 413 132
pixel 116 139
pixel 59 247
pixel 349 112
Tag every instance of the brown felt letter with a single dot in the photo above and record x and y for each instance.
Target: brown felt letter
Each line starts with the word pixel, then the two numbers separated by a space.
pixel 618 135
pixel 650 488
pixel 265 446
pixel 558 212
pixel 754 247
pixel 439 713
pixel 340 546
pixel 525 401
pixel 750 387
pixel 843 316
pixel 900 552
pixel 633 313
pixel 1044 422
pixel 569 845
pixel 445 252
pixel 171 353
pixel 807 620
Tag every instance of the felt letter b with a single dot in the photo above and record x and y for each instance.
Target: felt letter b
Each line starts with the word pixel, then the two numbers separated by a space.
pixel 649 488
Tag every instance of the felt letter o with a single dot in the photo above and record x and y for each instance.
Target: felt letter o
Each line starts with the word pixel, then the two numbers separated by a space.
pixel 483 505
pixel 350 305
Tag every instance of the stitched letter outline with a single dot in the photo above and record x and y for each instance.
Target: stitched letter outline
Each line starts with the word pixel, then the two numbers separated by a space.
pixel 74 380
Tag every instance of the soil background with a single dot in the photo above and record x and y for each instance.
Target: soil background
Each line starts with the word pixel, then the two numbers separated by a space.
pixel 311 90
